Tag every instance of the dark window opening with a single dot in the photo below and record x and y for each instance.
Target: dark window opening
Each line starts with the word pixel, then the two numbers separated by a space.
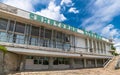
pixel 3 23
pixel 20 27
pixel 35 31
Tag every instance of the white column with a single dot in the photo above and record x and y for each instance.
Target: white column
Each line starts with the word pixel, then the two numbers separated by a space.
pixel 95 62
pixel 105 49
pixel 84 63
pixel 51 63
pixel 92 45
pixel 96 47
pixel 88 46
pixel 72 63
pixel 102 48
pixel 99 48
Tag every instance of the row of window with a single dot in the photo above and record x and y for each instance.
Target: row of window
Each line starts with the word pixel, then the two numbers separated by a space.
pixel 45 60
pixel 26 34
pixel 21 39
pixel 33 31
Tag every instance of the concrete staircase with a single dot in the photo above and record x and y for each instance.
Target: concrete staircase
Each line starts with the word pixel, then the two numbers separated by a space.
pixel 112 63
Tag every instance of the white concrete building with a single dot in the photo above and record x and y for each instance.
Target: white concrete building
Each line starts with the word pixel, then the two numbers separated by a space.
pixel 35 42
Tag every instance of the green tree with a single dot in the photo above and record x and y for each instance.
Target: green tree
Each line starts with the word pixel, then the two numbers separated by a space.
pixel 3 49
pixel 114 52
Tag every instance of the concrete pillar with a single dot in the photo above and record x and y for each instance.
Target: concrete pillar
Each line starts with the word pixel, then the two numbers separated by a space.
pixel 105 49
pixel 95 62
pixel 96 47
pixel 22 63
pixel 92 46
pixel 51 60
pixel 102 47
pixel 72 63
pixel 88 46
pixel 99 47
pixel 84 63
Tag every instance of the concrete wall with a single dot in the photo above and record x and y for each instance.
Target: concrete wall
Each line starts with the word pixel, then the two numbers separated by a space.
pixel 80 42
pixel 107 49
pixel 1 61
pixel 29 65
pixel 11 62
pixel 61 66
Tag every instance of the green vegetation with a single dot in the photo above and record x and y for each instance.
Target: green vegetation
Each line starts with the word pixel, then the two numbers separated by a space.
pixel 114 52
pixel 3 49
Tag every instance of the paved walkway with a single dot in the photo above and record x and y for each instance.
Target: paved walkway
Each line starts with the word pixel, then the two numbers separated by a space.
pixel 109 70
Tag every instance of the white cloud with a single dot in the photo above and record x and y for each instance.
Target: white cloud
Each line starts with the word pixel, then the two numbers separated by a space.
pixel 104 12
pixel 110 31
pixel 23 4
pixel 67 2
pixel 73 10
pixel 53 12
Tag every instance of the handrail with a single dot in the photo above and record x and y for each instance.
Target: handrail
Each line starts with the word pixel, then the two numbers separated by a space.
pixel 107 62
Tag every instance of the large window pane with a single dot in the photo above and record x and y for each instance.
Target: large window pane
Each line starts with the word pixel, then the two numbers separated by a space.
pixel 3 36
pixel 34 41
pixel 18 39
pixel 59 36
pixel 11 27
pixel 48 33
pixel 10 37
pixel 3 23
pixel 35 31
pixel 42 32
pixel 20 27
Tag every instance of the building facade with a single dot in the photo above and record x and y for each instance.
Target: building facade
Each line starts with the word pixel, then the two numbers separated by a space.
pixel 35 42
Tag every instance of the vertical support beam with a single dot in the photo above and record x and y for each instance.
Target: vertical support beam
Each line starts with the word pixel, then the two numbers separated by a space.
pixel 88 46
pixel 85 63
pixel 52 39
pixel 95 62
pixel 92 46
pixel 51 60
pixel 102 47
pixel 72 63
pixel 96 47
pixel 105 49
pixel 39 36
pixel 8 25
pixel 99 48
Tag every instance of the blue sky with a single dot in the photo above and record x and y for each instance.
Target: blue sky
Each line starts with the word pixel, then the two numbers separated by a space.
pixel 100 16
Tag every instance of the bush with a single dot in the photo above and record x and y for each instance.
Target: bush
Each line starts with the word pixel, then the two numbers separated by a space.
pixel 3 49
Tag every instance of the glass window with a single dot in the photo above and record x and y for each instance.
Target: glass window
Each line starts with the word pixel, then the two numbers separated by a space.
pixel 3 36
pixel 58 61
pixel 59 36
pixel 35 31
pixel 48 33
pixel 36 61
pixel 20 27
pixel 3 23
pixel 55 61
pixel 45 62
pixel 33 41
pixel 66 46
pixel 11 26
pixel 10 37
pixel 59 44
pixel 18 39
pixel 42 32
pixel 46 43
